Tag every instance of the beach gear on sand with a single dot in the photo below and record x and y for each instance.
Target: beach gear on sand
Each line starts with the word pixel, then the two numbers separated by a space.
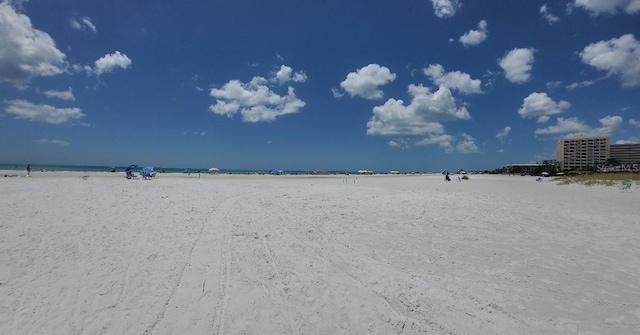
pixel 147 172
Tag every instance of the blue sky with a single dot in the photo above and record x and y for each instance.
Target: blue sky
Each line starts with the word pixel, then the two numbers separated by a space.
pixel 411 85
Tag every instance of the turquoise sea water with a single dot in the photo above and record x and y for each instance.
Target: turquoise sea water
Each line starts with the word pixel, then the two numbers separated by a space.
pixel 81 168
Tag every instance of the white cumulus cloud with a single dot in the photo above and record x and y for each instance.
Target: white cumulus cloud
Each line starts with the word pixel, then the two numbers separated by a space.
pixel 467 145
pixel 618 56
pixel 64 95
pixel 547 15
pixel 400 144
pixel 109 62
pixel 456 80
pixel 540 105
pixel 446 8
pixel 634 123
pixel 365 81
pixel 442 139
pixel 475 37
pixel 609 6
pixel 82 25
pixel 286 74
pixel 26 110
pixel 25 52
pixel 254 100
pixel 504 132
pixel 421 119
pixel 573 126
pixel 517 64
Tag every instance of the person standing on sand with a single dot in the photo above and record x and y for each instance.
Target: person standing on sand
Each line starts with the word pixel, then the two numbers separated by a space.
pixel 28 169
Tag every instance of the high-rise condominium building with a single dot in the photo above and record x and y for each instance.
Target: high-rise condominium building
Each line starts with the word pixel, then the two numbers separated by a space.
pixel 582 152
pixel 625 153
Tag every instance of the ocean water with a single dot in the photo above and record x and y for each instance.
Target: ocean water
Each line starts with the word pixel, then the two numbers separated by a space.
pixel 89 168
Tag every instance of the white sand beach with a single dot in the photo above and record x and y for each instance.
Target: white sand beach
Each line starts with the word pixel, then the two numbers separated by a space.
pixel 232 254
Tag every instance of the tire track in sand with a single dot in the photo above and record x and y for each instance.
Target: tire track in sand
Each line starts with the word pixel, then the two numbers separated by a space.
pixel 403 319
pixel 220 315
pixel 277 272
pixel 226 207
pixel 175 286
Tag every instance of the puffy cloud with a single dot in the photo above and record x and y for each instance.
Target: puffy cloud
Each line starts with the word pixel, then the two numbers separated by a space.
pixel 52 142
pixel 25 52
pixel 82 25
pixel 457 80
pixel 585 83
pixel 400 144
pixel 541 106
pixel 110 61
pixel 254 101
pixel 504 132
pixel 546 14
pixel 467 146
pixel 609 6
pixel 87 22
pixel 475 37
pixel 365 81
pixel 517 63
pixel 444 140
pixel 421 118
pixel 551 85
pixel 445 8
pixel 286 74
pixel 64 95
pixel 573 127
pixel 570 125
pixel 22 109
pixel 618 56
pixel 634 123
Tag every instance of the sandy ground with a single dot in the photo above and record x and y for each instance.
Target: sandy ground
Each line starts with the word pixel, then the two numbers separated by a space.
pixel 316 255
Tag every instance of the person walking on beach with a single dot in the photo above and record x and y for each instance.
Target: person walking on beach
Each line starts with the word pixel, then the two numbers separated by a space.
pixel 28 169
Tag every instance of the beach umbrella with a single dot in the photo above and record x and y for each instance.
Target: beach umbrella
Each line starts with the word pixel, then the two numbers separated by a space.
pixel 276 172
pixel 185 171
pixel 214 169
pixel 545 174
pixel 445 172
pixel 130 167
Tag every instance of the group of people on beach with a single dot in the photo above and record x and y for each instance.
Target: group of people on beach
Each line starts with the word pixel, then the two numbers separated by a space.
pixel 15 175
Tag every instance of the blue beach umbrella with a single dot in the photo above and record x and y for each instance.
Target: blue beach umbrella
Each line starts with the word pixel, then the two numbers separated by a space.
pixel 445 172
pixel 130 167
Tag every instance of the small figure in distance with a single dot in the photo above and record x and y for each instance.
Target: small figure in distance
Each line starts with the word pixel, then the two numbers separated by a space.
pixel 28 169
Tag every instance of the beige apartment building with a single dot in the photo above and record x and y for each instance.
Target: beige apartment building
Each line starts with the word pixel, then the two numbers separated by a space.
pixel 625 153
pixel 582 152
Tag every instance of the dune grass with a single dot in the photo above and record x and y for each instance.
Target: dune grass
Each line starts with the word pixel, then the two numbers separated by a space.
pixel 607 179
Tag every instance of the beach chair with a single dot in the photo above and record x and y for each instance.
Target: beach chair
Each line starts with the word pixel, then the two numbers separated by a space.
pixel 130 175
pixel 626 188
